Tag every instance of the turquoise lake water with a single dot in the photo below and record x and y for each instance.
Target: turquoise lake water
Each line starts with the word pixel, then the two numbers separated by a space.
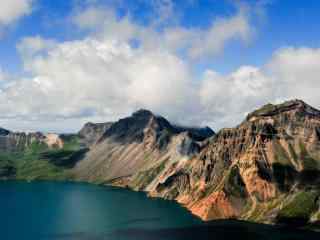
pixel 76 211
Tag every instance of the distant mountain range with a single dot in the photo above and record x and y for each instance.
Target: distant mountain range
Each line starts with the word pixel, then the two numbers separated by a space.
pixel 267 169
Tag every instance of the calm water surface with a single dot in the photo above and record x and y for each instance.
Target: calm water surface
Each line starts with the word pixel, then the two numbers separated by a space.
pixel 76 211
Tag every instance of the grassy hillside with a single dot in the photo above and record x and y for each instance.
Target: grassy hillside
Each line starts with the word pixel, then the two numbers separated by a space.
pixel 38 161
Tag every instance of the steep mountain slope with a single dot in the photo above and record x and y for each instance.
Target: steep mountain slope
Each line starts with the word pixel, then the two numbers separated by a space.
pixel 92 132
pixel 140 145
pixel 267 169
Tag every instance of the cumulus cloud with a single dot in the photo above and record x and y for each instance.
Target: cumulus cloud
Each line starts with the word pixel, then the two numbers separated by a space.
pixel 297 71
pixel 90 78
pixel 12 10
pixel 291 73
pixel 212 41
pixel 227 98
pixel 103 80
pixel 196 43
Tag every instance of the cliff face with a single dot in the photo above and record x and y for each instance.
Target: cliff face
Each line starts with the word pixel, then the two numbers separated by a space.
pixel 267 169
pixel 257 171
pixel 19 141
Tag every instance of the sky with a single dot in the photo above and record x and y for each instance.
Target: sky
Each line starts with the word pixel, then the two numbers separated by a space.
pixel 200 63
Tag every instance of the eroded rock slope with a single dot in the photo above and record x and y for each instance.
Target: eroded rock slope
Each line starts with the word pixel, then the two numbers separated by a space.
pixel 267 169
pixel 139 146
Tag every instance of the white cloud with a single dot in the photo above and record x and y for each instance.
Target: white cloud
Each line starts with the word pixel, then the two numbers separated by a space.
pixel 29 47
pixel 5 79
pixel 212 41
pixel 104 79
pixel 12 10
pixel 92 17
pixel 197 43
pixel 297 72
pixel 291 73
pixel 226 99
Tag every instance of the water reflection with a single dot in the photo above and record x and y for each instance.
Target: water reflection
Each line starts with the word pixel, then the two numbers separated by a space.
pixel 225 230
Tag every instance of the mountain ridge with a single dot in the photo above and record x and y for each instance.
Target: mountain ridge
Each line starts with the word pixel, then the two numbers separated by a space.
pixel 266 169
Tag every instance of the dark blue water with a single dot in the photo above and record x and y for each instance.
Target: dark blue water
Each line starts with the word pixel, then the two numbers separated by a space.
pixel 75 211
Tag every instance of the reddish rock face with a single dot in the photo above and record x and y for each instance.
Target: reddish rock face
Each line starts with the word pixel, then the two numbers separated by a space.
pixel 255 171
pixel 216 206
pixel 276 151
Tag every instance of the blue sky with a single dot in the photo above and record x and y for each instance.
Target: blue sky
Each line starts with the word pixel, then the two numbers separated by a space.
pixel 196 56
pixel 285 23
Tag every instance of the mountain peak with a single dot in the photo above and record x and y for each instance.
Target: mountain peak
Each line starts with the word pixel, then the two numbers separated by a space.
pixel 4 132
pixel 132 128
pixel 295 105
pixel 142 113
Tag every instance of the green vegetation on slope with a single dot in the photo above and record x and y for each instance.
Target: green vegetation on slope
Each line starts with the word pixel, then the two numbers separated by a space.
pixel 234 184
pixel 280 154
pixel 264 110
pixel 308 162
pixel 144 178
pixel 38 161
pixel 300 207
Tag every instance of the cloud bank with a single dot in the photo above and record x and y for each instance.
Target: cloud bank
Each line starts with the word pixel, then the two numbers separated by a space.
pixel 121 66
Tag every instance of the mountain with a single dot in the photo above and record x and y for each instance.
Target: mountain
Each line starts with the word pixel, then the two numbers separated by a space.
pixel 139 145
pixel 266 169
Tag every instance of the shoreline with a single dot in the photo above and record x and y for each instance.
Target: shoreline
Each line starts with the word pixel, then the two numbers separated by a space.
pixel 314 227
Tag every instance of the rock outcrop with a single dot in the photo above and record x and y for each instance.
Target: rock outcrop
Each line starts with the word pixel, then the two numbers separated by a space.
pixel 19 141
pixel 92 132
pixel 254 171
pixel 258 171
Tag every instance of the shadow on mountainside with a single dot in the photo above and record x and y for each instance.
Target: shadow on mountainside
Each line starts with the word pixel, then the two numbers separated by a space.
pixel 65 158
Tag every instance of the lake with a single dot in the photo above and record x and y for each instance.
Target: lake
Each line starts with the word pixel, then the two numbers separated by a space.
pixel 78 211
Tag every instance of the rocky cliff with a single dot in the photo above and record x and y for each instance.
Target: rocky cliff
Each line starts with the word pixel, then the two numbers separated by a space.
pixel 92 132
pixel 19 141
pixel 267 169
